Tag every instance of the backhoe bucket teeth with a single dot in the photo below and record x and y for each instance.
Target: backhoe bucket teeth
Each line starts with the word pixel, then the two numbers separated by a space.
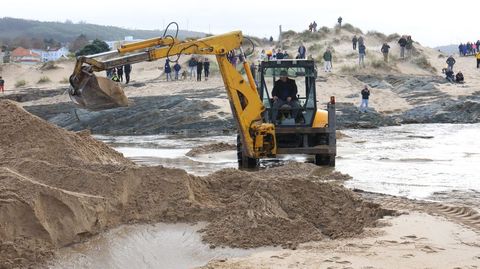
pixel 96 93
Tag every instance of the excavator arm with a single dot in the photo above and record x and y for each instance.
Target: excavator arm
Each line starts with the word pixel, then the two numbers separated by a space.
pixel 88 91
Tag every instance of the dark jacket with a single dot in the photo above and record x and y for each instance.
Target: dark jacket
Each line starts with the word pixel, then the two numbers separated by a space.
pixel 285 89
pixel 177 67
pixel 302 50
pixel 459 77
pixel 127 68
pixel 354 40
pixel 362 49
pixel 199 67
pixel 365 93
pixel 327 56
pixel 206 66
pixel 168 69
pixel 360 41
pixel 385 48
pixel 402 42
pixel 279 55
pixel 2 82
pixel 192 62
pixel 451 61
pixel 120 70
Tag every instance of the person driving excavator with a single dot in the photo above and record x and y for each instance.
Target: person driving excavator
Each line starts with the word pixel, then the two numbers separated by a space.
pixel 285 93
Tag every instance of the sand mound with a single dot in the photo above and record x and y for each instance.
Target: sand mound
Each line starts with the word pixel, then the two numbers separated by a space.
pixel 211 148
pixel 59 187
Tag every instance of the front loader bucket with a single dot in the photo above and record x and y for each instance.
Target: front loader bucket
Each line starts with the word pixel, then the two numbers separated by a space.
pixel 96 93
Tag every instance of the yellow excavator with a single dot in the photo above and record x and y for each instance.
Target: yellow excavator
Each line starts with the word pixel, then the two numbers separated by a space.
pixel 311 133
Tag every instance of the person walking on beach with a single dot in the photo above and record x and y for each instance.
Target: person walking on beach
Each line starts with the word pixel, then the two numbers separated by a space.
pixel 354 42
pixel 450 62
pixel 168 70
pixel 177 67
pixel 327 57
pixel 361 55
pixel 127 69
pixel 199 69
pixel 302 51
pixel 192 64
pixel 120 73
pixel 385 48
pixel 2 85
pixel 402 42
pixel 365 96
pixel 476 56
pixel 206 68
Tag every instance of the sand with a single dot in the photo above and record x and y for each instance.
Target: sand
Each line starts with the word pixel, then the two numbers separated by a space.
pixel 210 148
pixel 58 187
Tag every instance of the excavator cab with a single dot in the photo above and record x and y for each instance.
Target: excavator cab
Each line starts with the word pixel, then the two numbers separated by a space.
pixel 312 131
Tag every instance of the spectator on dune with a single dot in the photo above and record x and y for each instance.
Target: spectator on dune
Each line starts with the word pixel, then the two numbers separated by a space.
pixel 271 39
pixel 310 27
pixel 450 62
pixel 362 51
pixel 460 49
pixel 385 49
pixel 199 69
pixel 478 45
pixel 206 68
pixel 459 77
pixel 2 85
pixel 302 51
pixel 360 41
pixel 285 55
pixel 402 42
pixel 327 57
pixel 168 70
pixel 339 20
pixel 409 46
pixel 127 69
pixel 177 67
pixel 314 26
pixel 354 42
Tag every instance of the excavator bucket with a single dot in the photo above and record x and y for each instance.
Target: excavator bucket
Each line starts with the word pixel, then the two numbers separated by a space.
pixel 96 93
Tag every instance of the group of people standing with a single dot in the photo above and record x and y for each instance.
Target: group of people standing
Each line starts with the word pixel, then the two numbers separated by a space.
pixel 469 48
pixel 362 49
pixel 196 66
pixel 116 74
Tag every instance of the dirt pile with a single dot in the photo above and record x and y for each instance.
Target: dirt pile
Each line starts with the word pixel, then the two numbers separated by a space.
pixel 59 187
pixel 211 148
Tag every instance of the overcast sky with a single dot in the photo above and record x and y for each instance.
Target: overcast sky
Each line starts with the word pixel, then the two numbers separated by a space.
pixel 429 22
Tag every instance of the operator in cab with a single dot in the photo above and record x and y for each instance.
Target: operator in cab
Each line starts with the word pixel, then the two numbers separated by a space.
pixel 285 93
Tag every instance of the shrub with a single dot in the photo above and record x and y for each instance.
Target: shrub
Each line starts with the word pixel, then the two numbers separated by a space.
pixel 324 29
pixel 423 62
pixel 350 28
pixel 306 36
pixel 379 64
pixel 20 83
pixel 379 35
pixel 349 69
pixel 393 37
pixel 315 47
pixel 43 79
pixel 289 33
pixel 50 65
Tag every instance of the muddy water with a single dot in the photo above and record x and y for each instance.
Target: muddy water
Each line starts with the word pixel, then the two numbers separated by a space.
pixel 145 246
pixel 430 161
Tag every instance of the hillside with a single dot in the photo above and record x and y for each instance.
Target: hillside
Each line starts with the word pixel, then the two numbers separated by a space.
pixel 11 28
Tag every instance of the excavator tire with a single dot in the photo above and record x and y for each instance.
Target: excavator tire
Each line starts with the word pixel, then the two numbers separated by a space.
pixel 324 160
pixel 244 161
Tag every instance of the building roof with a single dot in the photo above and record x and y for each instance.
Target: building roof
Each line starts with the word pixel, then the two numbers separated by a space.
pixel 22 52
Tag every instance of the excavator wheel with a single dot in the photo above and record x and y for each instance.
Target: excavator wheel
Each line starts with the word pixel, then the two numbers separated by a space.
pixel 244 161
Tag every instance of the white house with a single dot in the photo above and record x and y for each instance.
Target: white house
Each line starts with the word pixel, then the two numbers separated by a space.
pixel 52 54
